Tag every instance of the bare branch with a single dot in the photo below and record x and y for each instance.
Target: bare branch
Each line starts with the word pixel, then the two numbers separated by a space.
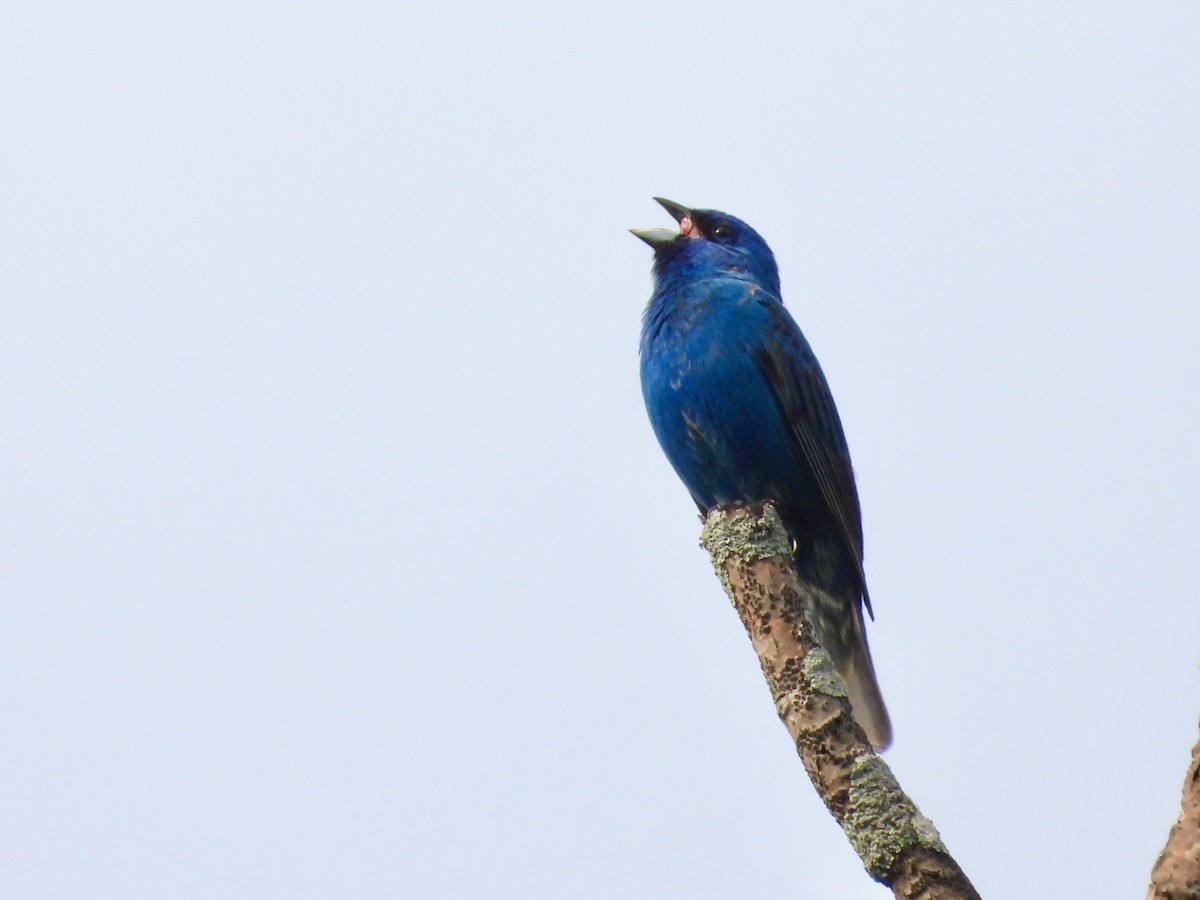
pixel 752 556
pixel 1176 874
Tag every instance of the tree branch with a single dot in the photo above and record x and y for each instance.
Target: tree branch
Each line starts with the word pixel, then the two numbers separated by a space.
pixel 1176 874
pixel 752 555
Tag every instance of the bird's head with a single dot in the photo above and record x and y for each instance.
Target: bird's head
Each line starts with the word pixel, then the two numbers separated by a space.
pixel 709 243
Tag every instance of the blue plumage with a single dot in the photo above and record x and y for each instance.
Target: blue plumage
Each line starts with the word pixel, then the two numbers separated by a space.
pixel 744 414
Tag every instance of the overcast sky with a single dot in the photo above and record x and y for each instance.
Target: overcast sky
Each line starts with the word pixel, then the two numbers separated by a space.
pixel 338 557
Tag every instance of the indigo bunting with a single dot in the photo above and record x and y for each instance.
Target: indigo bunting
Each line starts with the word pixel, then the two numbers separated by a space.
pixel 744 414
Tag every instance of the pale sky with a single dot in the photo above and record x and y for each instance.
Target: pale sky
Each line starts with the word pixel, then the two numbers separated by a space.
pixel 339 559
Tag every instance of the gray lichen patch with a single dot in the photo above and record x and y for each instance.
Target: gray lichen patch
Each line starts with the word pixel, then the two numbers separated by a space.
pixel 881 821
pixel 824 678
pixel 747 534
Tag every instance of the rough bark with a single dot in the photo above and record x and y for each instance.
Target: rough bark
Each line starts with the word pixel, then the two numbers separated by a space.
pixel 1176 874
pixel 899 847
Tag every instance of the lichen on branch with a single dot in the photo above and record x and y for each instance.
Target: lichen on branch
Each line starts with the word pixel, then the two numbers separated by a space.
pixel 751 552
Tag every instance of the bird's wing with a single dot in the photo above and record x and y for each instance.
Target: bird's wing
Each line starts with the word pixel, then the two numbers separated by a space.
pixel 791 371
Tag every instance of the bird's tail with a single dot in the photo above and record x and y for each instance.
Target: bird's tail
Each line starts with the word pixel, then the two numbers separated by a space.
pixel 865 699
pixel 840 631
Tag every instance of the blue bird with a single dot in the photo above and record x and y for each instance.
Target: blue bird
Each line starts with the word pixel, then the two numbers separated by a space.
pixel 744 414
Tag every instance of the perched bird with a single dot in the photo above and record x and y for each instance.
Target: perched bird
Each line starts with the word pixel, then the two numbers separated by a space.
pixel 744 414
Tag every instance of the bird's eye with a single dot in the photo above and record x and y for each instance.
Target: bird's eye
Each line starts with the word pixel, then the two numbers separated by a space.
pixel 721 231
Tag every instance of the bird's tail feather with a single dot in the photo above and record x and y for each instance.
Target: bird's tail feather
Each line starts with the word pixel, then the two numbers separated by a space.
pixel 865 699
pixel 839 629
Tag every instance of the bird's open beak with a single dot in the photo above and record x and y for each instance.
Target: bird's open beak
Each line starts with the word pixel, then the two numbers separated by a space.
pixel 660 237
pixel 678 211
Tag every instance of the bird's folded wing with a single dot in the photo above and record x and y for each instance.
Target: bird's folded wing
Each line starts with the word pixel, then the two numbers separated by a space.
pixel 790 370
